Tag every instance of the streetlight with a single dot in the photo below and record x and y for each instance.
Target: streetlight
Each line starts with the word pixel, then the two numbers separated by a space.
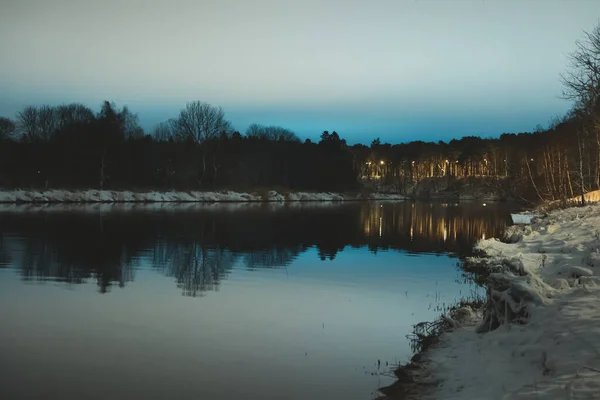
pixel 381 162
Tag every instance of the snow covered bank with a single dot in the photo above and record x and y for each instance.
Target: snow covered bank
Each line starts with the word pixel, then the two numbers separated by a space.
pixel 108 196
pixel 539 336
pixel 169 207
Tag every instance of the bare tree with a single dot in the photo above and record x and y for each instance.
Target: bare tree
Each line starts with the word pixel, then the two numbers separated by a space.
pixel 199 122
pixel 277 133
pixel 163 132
pixel 255 131
pixel 131 124
pixel 74 113
pixel 582 85
pixel 272 133
pixel 28 123
pixel 48 121
pixel 38 123
pixel 582 79
pixel 7 128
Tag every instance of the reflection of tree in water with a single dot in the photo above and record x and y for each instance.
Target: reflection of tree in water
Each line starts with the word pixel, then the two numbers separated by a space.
pixel 74 251
pixel 271 258
pixel 328 253
pixel 5 257
pixel 200 248
pixel 196 268
pixel 432 227
pixel 40 263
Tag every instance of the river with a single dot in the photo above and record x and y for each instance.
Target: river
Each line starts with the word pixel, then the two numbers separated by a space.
pixel 225 301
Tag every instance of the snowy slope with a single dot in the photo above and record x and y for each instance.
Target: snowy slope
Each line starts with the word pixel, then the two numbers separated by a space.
pixel 556 353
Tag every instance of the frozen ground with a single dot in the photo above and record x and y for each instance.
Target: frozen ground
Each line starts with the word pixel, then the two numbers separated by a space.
pixel 550 279
pixel 108 196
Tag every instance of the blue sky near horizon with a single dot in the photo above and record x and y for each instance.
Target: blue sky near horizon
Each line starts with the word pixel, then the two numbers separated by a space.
pixel 400 70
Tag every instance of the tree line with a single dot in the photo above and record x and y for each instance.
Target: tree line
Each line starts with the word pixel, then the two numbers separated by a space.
pixel 71 146
pixel 559 162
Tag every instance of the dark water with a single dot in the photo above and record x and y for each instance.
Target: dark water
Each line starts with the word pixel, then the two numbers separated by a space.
pixel 224 301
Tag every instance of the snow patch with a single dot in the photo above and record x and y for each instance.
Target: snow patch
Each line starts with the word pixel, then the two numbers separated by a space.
pixel 546 279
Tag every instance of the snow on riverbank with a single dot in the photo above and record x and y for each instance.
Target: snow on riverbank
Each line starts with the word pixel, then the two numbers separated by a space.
pixel 170 207
pixel 108 196
pixel 550 277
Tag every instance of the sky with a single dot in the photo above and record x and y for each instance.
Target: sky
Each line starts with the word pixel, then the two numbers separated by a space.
pixel 400 70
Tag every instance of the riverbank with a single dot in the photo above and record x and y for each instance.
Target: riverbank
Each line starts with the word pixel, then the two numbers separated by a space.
pixel 169 207
pixel 452 189
pixel 539 334
pixel 110 196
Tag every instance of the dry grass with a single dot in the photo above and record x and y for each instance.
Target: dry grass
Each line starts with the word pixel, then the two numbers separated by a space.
pixel 425 335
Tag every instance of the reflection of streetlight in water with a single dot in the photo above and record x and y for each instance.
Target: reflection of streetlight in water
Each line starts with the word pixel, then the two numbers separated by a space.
pixel 432 223
pixel 380 218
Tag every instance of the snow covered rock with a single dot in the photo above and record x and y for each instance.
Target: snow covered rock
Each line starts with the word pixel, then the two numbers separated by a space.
pixel 274 196
pixel 513 234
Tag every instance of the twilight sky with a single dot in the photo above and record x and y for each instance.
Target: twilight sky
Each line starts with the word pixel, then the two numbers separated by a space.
pixel 399 69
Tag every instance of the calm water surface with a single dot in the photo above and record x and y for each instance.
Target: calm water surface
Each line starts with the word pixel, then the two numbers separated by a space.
pixel 224 301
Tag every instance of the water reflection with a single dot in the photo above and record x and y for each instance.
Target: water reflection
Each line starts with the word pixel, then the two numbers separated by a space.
pixel 433 227
pixel 199 246
pixel 285 324
pixel 196 268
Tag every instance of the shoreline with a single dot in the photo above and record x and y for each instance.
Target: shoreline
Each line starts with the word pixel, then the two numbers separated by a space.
pixel 93 196
pixel 538 335
pixel 171 207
